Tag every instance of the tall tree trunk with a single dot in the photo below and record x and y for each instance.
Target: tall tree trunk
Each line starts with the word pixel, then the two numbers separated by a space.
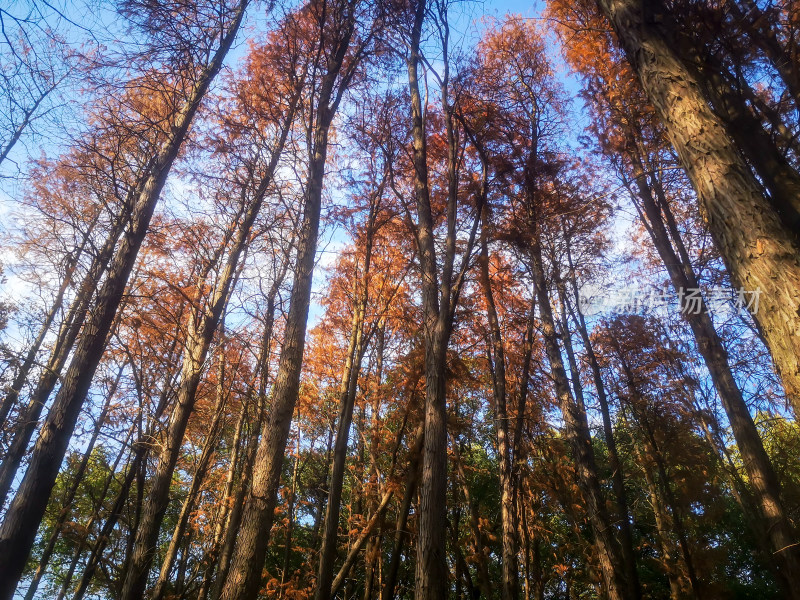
pixel 577 428
pixel 68 499
pixel 747 231
pixel 497 365
pixel 786 553
pixel 204 323
pixel 441 286
pixel 347 396
pixel 244 576
pixel 209 447
pixel 431 567
pixel 372 555
pixel 617 475
pixel 22 519
pixel 64 342
pixel 400 532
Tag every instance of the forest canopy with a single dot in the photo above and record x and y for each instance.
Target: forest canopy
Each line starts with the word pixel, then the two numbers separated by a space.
pixel 391 299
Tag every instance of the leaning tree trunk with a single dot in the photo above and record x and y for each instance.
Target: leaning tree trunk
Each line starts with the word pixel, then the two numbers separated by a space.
pixel 618 483
pixel 612 566
pixel 786 552
pixel 22 519
pixel 761 254
pixel 617 474
pixel 68 499
pixel 244 575
pixel 204 323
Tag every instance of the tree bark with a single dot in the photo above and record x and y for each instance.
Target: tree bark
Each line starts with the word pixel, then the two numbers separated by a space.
pixel 204 323
pixel 347 395
pixel 786 553
pixel 65 512
pixel 497 365
pixel 617 474
pixel 752 240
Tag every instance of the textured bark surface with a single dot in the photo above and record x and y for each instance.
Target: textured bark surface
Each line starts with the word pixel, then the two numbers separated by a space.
pixel 204 323
pixel 431 565
pixel 761 254
pixel 658 221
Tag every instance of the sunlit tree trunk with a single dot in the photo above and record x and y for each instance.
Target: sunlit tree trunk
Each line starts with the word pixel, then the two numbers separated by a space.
pixel 752 240
pixel 756 462
pixel 205 320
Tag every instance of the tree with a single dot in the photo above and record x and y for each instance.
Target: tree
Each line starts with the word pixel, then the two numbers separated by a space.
pixel 23 516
